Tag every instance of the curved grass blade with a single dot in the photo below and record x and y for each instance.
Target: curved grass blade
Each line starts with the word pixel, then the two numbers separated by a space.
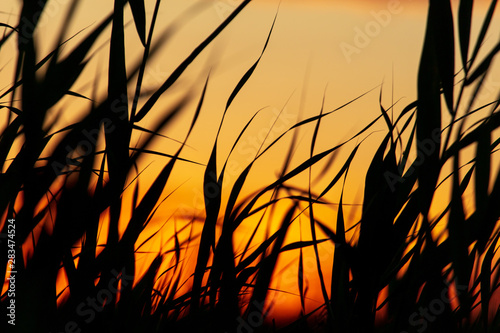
pixel 139 14
pixel 182 67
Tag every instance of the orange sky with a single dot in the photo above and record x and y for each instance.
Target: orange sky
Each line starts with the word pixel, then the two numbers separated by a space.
pixel 339 49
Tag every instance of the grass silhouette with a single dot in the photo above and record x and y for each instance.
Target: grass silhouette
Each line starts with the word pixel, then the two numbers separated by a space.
pixel 59 197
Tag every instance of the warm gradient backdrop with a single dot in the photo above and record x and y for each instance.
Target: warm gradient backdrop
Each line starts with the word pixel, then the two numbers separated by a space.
pixel 331 50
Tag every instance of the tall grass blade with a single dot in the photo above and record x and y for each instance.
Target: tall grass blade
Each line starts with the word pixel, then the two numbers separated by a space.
pixel 464 26
pixel 339 289
pixel 139 14
pixel 484 30
pixel 429 104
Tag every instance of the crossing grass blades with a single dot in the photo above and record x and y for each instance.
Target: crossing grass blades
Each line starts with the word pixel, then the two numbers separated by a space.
pixel 395 265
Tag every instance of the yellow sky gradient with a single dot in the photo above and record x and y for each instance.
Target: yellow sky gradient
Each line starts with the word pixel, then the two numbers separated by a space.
pixel 332 49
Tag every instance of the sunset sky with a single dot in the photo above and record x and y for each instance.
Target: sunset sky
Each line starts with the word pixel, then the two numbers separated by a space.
pixel 336 50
